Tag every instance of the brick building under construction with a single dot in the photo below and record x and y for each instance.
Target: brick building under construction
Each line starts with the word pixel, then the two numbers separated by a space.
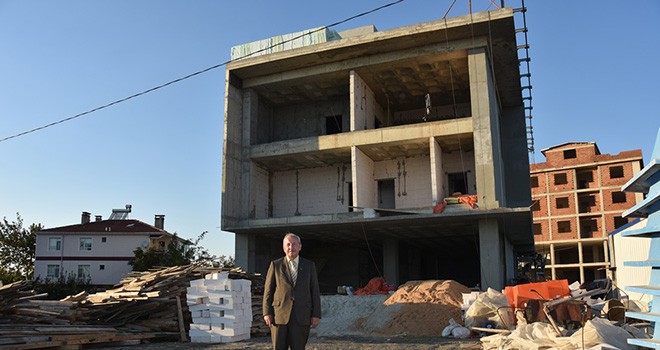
pixel 577 201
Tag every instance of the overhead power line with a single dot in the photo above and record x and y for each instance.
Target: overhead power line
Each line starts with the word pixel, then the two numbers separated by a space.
pixel 82 114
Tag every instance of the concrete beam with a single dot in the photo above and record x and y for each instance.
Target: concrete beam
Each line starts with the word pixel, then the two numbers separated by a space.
pixel 364 137
pixel 455 50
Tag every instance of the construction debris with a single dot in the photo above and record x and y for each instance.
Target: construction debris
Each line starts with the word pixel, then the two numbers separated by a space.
pixel 144 305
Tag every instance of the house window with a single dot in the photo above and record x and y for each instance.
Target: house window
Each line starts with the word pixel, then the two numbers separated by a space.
pixel 563 226
pixel 560 179
pixel 616 172
pixel 561 202
pixel 104 239
pixel 536 206
pixel 535 181
pixel 53 271
pixel 619 221
pixel 101 267
pixel 55 243
pixel 84 271
pixel 618 197
pixel 86 243
pixel 538 230
pixel 569 154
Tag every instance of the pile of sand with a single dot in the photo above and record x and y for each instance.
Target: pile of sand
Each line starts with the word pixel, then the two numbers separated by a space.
pixel 417 308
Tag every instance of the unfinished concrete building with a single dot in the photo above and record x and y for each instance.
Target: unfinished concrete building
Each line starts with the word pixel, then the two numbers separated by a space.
pixel 577 200
pixel 351 142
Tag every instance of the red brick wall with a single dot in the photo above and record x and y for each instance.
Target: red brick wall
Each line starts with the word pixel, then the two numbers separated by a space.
pixel 609 221
pixel 610 206
pixel 562 187
pixel 545 230
pixel 543 206
pixel 572 234
pixel 585 153
pixel 589 202
pixel 597 232
pixel 608 181
pixel 563 211
pixel 541 178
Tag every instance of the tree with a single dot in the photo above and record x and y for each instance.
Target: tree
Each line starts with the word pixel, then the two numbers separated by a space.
pixel 17 249
pixel 178 254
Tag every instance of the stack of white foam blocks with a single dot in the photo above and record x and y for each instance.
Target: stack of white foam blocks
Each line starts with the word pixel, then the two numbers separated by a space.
pixel 221 309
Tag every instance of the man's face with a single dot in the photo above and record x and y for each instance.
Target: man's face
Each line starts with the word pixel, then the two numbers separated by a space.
pixel 291 247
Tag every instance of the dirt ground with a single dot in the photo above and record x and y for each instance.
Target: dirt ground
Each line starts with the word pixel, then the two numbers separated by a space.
pixel 334 343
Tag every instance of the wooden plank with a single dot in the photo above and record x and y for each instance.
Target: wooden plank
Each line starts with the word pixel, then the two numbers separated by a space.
pixel 182 327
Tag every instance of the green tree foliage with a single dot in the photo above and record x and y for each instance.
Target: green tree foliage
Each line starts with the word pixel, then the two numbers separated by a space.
pixel 17 249
pixel 177 254
pixel 62 286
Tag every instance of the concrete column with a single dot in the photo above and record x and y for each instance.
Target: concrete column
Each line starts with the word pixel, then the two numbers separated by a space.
pixel 553 270
pixel 509 262
pixel 580 259
pixel 491 255
pixel 244 248
pixel 485 123
pixel 391 261
pixel 437 172
pixel 250 103
pixel 364 186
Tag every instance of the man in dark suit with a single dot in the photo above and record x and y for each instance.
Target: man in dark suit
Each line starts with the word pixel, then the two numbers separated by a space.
pixel 292 300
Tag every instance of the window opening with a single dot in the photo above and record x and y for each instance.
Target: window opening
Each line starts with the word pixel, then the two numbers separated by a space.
pixel 535 181
pixel 561 202
pixel 616 172
pixel 569 154
pixel 618 197
pixel 457 183
pixel 333 125
pixel 619 221
pixel 563 226
pixel 560 179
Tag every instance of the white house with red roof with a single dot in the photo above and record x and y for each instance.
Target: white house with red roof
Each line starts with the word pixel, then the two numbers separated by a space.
pixel 99 249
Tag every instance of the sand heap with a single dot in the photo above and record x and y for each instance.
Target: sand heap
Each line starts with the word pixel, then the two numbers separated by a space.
pixel 417 308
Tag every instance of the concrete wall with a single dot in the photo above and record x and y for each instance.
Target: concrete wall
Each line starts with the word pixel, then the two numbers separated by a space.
pixel 485 119
pixel 515 159
pixel 364 109
pixel 365 189
pixel 412 189
pixel 316 193
pixel 231 154
pixel 460 162
pixel 260 193
pixel 293 121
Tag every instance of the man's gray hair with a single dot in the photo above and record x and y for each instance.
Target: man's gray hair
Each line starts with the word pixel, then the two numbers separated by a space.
pixel 290 234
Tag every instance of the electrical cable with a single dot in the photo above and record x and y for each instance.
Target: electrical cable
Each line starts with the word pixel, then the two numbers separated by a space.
pixel 366 240
pixel 158 87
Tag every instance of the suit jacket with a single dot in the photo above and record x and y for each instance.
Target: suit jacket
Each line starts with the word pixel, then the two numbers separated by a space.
pixel 283 301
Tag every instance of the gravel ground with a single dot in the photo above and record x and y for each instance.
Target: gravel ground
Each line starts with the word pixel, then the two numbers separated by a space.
pixel 334 343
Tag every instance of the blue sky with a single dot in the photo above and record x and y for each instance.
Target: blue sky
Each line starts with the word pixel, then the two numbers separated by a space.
pixel 595 76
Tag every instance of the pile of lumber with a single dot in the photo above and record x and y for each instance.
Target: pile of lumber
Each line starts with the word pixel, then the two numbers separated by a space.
pixel 143 305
